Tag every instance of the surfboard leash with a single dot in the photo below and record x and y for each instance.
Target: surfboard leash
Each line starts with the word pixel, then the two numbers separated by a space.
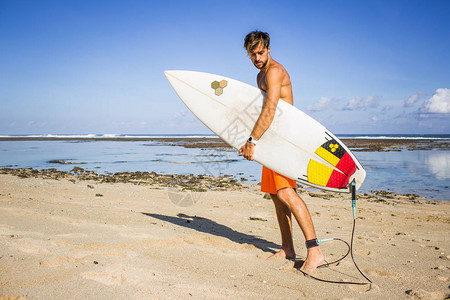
pixel 349 250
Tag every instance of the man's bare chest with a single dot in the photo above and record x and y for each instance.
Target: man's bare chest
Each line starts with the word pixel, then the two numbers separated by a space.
pixel 262 83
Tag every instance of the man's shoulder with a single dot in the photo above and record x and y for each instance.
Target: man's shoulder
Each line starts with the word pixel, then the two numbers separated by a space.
pixel 276 70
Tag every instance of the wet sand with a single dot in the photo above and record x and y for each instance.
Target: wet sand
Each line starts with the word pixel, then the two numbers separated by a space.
pixel 74 235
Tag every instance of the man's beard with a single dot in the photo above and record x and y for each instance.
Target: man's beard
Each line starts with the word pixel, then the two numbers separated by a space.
pixel 262 65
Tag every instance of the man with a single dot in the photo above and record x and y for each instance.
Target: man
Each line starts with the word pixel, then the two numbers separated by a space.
pixel 275 81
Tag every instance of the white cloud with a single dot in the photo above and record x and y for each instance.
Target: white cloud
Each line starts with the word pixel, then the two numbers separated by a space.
pixel 357 103
pixel 413 99
pixel 186 121
pixel 386 108
pixel 439 103
pixel 425 125
pixel 179 114
pixel 323 104
pixel 360 103
pixel 36 124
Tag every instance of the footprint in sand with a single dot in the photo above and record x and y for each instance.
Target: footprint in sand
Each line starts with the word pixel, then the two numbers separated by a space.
pixel 117 275
pixel 363 252
pixel 12 297
pixel 422 294
pixel 73 235
pixel 59 262
pixel 379 273
pixel 115 250
pixel 365 240
pixel 105 278
pixel 364 288
pixel 32 247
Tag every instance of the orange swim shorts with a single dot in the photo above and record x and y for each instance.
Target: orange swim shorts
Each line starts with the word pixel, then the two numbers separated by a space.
pixel 271 181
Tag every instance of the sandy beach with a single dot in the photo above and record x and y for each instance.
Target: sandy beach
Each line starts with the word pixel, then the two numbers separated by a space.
pixel 76 238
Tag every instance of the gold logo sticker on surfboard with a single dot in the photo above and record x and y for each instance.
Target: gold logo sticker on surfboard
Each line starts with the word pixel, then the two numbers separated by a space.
pixel 333 147
pixel 218 87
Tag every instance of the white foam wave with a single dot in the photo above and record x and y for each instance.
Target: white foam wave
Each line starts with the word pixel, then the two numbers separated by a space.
pixel 106 136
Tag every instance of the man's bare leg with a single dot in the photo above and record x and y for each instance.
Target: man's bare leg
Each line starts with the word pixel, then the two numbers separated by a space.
pixel 285 223
pixel 295 204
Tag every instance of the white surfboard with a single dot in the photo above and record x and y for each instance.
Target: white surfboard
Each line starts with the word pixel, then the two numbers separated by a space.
pixel 295 145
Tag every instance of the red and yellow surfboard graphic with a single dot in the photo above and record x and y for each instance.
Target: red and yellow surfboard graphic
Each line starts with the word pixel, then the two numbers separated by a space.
pixel 323 175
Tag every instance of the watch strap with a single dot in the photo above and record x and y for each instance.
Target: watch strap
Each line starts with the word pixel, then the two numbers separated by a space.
pixel 252 140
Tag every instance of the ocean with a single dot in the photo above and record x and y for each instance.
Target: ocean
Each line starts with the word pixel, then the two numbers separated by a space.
pixel 144 136
pixel 422 172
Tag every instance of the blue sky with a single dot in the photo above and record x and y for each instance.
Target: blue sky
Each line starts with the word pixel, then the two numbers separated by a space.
pixel 97 66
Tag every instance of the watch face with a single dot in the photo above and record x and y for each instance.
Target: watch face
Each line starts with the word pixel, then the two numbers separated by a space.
pixel 251 140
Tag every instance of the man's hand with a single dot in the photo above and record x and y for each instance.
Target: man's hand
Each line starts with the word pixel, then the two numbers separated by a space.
pixel 247 150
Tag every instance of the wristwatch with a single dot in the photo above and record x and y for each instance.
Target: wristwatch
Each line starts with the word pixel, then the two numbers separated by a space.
pixel 252 140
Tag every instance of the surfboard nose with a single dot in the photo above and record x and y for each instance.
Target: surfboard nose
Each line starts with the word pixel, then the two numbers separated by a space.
pixel 176 73
pixel 178 76
pixel 168 73
pixel 175 78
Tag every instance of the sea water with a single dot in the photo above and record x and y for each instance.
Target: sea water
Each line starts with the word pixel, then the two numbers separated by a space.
pixel 422 172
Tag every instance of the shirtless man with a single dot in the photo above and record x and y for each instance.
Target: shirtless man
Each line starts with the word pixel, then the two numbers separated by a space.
pixel 274 80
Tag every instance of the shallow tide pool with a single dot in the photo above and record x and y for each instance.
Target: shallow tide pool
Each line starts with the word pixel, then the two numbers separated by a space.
pixel 422 172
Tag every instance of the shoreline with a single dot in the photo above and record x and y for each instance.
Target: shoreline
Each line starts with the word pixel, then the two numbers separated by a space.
pixel 354 144
pixel 198 183
pixel 212 157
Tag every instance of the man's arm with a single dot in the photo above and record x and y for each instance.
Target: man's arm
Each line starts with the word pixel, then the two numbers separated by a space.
pixel 274 79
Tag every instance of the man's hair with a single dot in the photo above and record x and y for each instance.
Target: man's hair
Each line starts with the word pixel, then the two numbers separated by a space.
pixel 254 38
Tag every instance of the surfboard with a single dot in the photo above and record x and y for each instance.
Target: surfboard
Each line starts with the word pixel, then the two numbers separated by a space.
pixel 295 145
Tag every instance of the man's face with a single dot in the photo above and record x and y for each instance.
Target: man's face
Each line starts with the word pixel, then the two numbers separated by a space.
pixel 259 56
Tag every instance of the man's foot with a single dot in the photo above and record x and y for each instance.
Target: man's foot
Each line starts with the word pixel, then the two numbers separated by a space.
pixel 313 260
pixel 284 254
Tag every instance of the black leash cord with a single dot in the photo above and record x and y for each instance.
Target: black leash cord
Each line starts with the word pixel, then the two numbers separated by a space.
pixel 327 264
pixel 350 250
